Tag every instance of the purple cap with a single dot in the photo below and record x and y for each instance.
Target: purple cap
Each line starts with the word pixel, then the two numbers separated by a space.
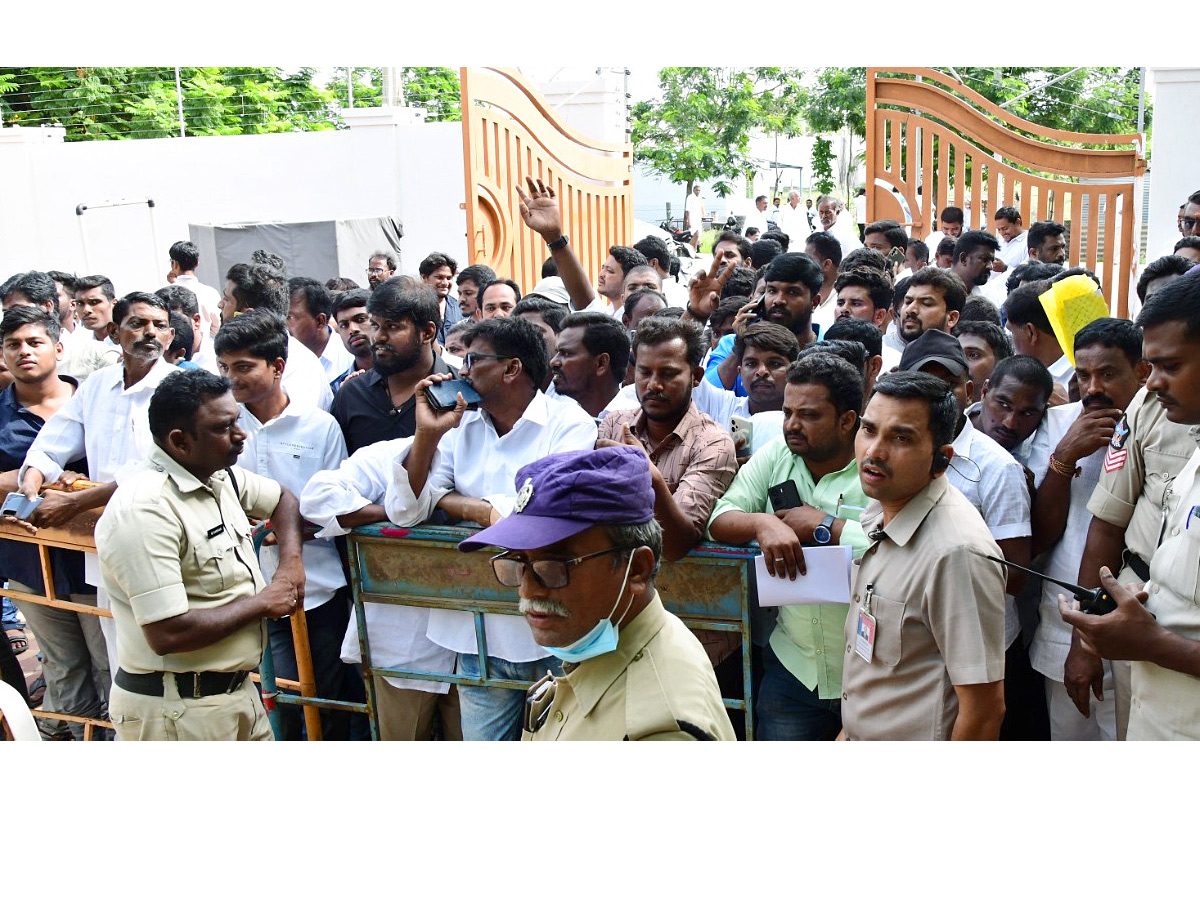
pixel 565 493
pixel 934 346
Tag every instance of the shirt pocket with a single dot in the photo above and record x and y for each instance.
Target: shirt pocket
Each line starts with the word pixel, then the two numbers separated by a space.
pixel 889 626
pixel 214 561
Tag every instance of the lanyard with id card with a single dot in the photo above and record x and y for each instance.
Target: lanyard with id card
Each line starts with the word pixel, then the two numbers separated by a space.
pixel 864 633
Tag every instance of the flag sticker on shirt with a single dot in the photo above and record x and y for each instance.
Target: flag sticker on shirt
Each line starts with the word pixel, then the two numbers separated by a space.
pixel 1114 457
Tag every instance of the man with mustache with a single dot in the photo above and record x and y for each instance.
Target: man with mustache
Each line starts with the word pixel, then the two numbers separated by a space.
pixel 1033 335
pixel 380 405
pixel 106 421
pixel 582 546
pixel 1066 460
pixel 1156 627
pixel 178 561
pixel 933 299
pixel 974 254
pixel 354 327
pixel 924 637
pixel 1013 404
pixel 792 281
pixel 801 687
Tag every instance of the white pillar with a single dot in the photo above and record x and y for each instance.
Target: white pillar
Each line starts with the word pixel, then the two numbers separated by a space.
pixel 1172 167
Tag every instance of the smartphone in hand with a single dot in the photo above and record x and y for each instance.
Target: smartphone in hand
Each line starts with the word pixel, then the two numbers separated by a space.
pixel 784 495
pixel 444 395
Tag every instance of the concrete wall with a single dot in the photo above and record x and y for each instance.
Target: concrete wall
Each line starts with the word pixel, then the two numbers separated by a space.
pixel 385 164
pixel 1176 111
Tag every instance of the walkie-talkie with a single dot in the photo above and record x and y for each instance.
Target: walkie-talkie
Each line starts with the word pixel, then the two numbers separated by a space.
pixel 1094 601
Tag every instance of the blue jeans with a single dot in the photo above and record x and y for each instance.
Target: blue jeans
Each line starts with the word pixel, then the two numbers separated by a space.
pixel 494 714
pixel 335 680
pixel 788 711
pixel 8 616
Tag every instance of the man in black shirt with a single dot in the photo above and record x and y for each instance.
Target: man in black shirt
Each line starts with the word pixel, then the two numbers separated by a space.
pixel 379 405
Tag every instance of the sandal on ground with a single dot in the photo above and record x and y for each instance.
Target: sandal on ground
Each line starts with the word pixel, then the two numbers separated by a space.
pixel 18 641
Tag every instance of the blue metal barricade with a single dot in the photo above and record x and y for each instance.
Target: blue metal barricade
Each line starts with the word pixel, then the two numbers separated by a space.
pixel 422 567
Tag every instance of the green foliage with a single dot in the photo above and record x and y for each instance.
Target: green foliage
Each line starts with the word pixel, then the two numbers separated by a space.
pixel 1097 99
pixel 436 89
pixel 700 129
pixel 141 102
pixel 822 165
pixel 124 102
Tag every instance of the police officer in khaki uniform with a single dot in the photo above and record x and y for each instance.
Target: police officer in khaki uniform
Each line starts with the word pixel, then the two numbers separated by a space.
pixel 1158 628
pixel 178 561
pixel 1128 506
pixel 583 546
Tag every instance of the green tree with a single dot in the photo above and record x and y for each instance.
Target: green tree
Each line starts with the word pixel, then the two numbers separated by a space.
pixel 822 165
pixel 700 129
pixel 126 102
pixel 437 90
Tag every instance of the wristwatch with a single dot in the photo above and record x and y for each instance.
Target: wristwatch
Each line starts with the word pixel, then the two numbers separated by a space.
pixel 823 533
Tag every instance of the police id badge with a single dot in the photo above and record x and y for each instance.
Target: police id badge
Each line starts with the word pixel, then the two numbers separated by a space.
pixel 864 639
pixel 1115 455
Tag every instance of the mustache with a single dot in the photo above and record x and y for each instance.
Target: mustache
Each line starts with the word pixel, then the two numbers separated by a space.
pixel 875 464
pixel 545 607
pixel 1103 401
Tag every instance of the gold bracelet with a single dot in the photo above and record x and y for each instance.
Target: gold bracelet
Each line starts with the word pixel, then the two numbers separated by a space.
pixel 1057 465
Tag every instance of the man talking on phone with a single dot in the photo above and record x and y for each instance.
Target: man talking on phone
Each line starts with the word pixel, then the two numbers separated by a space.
pixel 464 462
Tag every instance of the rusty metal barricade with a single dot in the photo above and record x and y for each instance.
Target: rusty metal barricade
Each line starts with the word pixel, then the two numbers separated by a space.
pixel 422 567
pixel 78 534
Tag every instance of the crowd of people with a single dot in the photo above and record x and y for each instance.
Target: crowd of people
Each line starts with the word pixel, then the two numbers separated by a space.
pixel 915 401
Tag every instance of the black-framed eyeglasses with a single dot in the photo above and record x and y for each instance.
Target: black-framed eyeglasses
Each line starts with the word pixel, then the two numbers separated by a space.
pixel 549 573
pixel 469 359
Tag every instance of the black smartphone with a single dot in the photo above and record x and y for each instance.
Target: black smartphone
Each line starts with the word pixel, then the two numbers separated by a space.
pixel 444 395
pixel 784 495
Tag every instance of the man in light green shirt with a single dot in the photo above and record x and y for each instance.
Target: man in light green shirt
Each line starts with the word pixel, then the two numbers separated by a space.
pixel 799 698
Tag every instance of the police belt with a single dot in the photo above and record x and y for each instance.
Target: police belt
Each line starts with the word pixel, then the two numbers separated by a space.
pixel 191 684
pixel 1140 567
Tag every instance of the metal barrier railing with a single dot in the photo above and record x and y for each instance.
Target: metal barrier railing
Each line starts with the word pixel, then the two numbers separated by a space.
pixel 709 590
pixel 77 534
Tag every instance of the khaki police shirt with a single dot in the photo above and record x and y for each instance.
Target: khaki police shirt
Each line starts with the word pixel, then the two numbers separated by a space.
pixel 657 685
pixel 1165 704
pixel 939 618
pixel 1144 456
pixel 169 544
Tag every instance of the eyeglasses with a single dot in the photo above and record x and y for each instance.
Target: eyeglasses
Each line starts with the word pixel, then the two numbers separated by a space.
pixel 469 359
pixel 376 271
pixel 549 573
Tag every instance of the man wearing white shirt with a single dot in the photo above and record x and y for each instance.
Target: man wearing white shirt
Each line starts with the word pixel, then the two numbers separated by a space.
pixel 257 286
pixel 826 251
pixel 310 310
pixel 1032 334
pixel 793 220
pixel 590 356
pixel 693 214
pixel 106 420
pixel 951 226
pixel 1014 242
pixel 464 463
pixel 757 218
pixel 290 444
pixel 1067 462
pixel 356 494
pixel 94 298
pixel 831 213
pixel 181 300
pixel 184 258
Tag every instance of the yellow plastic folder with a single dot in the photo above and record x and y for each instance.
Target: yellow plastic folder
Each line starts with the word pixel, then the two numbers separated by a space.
pixel 1071 304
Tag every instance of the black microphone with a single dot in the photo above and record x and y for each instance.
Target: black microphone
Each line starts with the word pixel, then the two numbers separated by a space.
pixel 877 535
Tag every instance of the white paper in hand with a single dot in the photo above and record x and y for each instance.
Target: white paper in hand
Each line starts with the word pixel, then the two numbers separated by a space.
pixel 827 581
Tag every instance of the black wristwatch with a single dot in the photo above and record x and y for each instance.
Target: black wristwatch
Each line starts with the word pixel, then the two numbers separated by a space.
pixel 823 533
pixel 558 244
